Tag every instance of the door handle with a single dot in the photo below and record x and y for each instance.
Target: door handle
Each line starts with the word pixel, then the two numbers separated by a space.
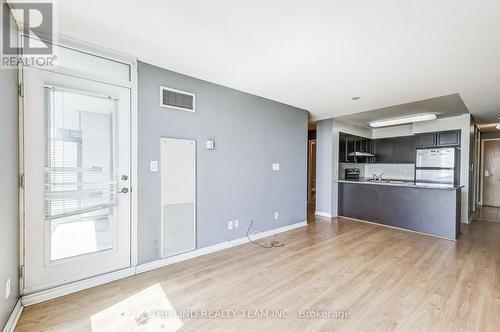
pixel 123 191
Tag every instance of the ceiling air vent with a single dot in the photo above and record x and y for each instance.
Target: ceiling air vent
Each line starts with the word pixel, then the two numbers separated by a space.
pixel 176 99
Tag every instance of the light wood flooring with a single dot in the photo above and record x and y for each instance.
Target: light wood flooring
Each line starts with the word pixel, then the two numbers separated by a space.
pixel 489 213
pixel 385 279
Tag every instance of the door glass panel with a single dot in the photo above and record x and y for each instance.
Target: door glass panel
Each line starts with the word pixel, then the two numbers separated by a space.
pixel 80 178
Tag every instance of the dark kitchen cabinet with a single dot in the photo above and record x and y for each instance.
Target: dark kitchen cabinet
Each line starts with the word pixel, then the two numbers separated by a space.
pixel 363 144
pixel 351 148
pixel 342 148
pixel 448 138
pixel 405 149
pixel 384 150
pixel 443 138
pixel 350 144
pixel 426 140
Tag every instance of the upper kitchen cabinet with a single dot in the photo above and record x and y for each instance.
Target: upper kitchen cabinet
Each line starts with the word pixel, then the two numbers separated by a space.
pixel 354 149
pixel 444 138
pixel 448 138
pixel 395 150
pixel 384 150
pixel 351 147
pixel 426 140
pixel 342 148
pixel 405 149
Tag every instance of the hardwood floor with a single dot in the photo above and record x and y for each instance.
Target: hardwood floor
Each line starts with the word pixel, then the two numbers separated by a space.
pixel 489 213
pixel 385 279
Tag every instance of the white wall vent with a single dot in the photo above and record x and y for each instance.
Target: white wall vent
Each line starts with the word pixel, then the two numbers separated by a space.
pixel 178 100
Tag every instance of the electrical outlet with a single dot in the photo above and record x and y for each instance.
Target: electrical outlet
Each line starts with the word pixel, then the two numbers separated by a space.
pixel 236 223
pixel 276 166
pixel 276 215
pixel 7 289
pixel 230 225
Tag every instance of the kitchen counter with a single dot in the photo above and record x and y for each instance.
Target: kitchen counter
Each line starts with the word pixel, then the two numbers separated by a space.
pixel 421 208
pixel 402 183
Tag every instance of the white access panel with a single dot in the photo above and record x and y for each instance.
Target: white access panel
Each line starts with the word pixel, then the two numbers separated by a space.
pixel 178 196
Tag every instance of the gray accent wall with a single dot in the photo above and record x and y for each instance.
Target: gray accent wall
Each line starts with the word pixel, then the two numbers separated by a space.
pixel 324 166
pixel 9 234
pixel 234 181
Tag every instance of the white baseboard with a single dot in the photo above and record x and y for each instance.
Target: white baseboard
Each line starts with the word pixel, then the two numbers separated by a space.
pixel 473 216
pixel 10 326
pixel 214 248
pixel 323 214
pixel 49 294
pixel 42 296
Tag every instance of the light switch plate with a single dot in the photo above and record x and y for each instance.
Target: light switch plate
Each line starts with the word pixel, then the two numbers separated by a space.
pixel 230 225
pixel 276 166
pixel 276 215
pixel 153 166
pixel 236 223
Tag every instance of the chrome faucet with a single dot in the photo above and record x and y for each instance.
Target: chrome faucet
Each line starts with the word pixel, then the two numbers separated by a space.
pixel 376 177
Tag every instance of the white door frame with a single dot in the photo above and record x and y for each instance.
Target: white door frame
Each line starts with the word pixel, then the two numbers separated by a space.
pixel 42 270
pixel 482 166
pixel 132 85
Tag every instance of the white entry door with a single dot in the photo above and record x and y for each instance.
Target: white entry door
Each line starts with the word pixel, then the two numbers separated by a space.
pixel 77 179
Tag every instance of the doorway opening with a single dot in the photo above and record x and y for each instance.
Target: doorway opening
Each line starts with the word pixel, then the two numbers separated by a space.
pixel 311 172
pixel 77 218
pixel 490 180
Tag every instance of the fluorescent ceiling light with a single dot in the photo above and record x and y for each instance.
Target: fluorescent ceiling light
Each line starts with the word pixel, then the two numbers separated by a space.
pixel 398 121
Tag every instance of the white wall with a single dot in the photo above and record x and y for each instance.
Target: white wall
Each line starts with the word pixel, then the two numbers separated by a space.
pixel 396 131
pixel 324 166
pixel 461 122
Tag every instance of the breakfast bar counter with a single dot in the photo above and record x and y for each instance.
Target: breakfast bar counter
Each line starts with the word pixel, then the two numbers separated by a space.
pixel 425 208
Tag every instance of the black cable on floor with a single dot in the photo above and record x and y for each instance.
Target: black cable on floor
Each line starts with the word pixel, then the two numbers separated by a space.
pixel 273 244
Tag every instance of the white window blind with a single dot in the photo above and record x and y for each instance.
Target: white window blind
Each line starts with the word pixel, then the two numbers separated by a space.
pixel 80 157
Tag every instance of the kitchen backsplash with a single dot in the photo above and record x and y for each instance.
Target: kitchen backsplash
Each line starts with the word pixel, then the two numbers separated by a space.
pixel 390 171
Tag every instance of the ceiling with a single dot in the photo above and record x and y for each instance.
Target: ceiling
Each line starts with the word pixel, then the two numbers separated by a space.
pixel 316 54
pixel 445 106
